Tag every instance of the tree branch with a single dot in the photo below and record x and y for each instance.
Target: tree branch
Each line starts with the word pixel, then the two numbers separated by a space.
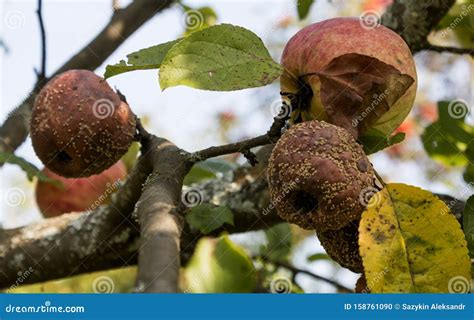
pixel 75 243
pixel 469 51
pixel 296 270
pixel 108 238
pixel 272 136
pixel 161 224
pixel 124 22
pixel 78 243
pixel 414 20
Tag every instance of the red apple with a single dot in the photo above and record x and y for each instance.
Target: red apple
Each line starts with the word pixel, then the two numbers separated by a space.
pixel 315 46
pixel 78 194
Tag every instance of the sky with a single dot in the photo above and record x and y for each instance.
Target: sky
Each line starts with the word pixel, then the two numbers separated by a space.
pixel 184 115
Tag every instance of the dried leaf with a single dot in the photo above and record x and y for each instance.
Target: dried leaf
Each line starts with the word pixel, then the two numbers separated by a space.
pixel 356 90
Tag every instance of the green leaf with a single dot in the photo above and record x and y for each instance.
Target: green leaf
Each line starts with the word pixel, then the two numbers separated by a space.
pixel 409 242
pixel 459 22
pixel 469 173
pixel 303 7
pixel 219 266
pixel 318 256
pixel 196 174
pixel 30 169
pixel 452 116
pixel 207 218
pixel 144 59
pixel 222 58
pixel 375 140
pixel 454 15
pixel 449 140
pixel 468 224
pixel 442 147
pixel 198 19
pixel 208 169
pixel 279 239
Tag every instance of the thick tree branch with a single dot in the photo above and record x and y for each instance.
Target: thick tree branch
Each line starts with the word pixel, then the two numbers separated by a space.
pixel 75 243
pixel 414 20
pixel 124 22
pixel 160 222
pixel 108 238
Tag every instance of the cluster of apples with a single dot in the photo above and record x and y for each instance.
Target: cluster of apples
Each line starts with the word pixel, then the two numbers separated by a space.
pixel 318 171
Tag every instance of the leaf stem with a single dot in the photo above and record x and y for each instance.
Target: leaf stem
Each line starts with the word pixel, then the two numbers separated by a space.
pixel 379 178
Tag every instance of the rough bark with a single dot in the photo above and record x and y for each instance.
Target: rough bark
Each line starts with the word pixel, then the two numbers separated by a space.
pixel 75 243
pixel 108 238
pixel 160 221
pixel 414 20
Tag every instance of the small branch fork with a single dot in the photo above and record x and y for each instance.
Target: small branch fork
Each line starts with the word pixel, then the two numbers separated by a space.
pixel 161 223
pixel 272 136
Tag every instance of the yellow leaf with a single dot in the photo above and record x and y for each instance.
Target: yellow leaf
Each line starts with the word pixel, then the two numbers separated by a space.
pixel 410 242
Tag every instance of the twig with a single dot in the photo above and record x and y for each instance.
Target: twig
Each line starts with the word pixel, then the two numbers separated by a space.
pixel 377 175
pixel 295 270
pixel 272 136
pixel 41 74
pixel 469 51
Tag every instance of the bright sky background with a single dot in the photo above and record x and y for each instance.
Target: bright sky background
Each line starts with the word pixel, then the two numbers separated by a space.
pixel 184 115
